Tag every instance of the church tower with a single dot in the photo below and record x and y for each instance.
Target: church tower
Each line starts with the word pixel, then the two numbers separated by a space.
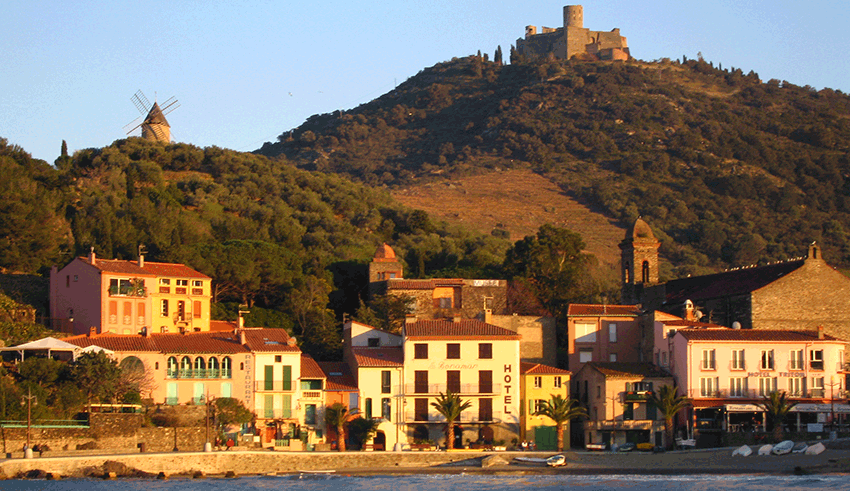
pixel 638 262
pixel 384 266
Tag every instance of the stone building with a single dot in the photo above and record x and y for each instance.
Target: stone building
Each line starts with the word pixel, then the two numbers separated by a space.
pixel 638 261
pixel 573 39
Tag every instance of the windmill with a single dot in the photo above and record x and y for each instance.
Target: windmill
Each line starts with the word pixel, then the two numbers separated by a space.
pixel 154 126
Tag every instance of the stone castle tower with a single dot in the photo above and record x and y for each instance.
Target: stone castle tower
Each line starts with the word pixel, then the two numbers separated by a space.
pixel 384 266
pixel 573 39
pixel 638 262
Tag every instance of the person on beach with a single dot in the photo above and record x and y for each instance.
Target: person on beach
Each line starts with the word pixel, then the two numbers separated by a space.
pixel 230 443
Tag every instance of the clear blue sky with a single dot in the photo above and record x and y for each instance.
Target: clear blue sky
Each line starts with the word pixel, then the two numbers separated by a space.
pixel 244 72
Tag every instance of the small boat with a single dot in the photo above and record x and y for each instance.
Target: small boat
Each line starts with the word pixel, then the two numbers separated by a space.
pixel 783 447
pixel 626 447
pixel 743 451
pixel 800 447
pixel 532 460
pixel 596 447
pixel 765 449
pixel 815 449
pixel 556 461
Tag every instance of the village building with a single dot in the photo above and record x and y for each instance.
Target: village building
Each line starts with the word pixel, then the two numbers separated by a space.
pixel 340 387
pixel 603 333
pixel 128 297
pixel 539 383
pixel 617 398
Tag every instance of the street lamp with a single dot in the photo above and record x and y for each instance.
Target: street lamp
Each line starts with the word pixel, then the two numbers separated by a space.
pixel 207 401
pixel 29 400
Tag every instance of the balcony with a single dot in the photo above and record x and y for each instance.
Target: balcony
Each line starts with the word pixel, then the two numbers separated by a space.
pixel 210 373
pixel 276 413
pixel 313 394
pixel 465 389
pixel 755 394
pixel 274 386
pixel 638 395
pixel 128 291
pixel 469 416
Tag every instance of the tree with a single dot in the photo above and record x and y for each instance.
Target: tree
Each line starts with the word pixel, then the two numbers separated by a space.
pixel 335 417
pixel 669 403
pixel 450 406
pixel 777 406
pixel 362 429
pixel 560 410
pixel 386 312
pixel 96 375
pixel 231 411
pixel 497 57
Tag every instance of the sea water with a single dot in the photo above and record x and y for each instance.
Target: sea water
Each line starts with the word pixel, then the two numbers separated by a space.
pixel 313 482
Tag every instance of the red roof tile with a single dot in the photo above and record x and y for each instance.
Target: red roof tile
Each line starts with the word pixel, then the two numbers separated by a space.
pixel 269 340
pixel 222 342
pixel 378 357
pixel 430 284
pixel 114 342
pixel 718 285
pixel 752 335
pixel 602 310
pixel 541 369
pixel 463 329
pixel 149 268
pixel 222 326
pixel 628 370
pixel 339 378
pixel 309 367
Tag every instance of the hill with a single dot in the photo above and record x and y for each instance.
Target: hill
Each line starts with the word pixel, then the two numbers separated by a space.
pixel 729 170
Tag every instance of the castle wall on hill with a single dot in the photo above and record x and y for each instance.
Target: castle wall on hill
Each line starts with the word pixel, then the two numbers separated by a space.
pixel 573 39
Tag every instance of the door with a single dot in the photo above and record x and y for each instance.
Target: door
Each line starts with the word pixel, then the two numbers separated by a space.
pixel 546 437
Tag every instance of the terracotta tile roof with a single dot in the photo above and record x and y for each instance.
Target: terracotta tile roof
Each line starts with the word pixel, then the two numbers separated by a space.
pixel 266 340
pixel 430 284
pixel 309 367
pixel 194 342
pixel 114 342
pixel 682 323
pixel 150 268
pixel 577 309
pixel 339 378
pixel 222 326
pixel 752 335
pixel 728 283
pixel 541 369
pixel 378 357
pixel 463 329
pixel 628 370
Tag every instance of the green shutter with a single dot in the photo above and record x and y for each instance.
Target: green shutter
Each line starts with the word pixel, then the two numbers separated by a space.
pixel 287 377
pixel 287 406
pixel 269 379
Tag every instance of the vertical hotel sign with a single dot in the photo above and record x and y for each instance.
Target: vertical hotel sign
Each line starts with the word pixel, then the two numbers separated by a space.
pixel 508 381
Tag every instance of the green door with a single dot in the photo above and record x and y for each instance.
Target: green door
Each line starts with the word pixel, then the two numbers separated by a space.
pixel 546 437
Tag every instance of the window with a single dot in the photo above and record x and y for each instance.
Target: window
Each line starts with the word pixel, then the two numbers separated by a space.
pixel 535 406
pixel 385 381
pixel 738 359
pixel 795 386
pixel 420 351
pixel 367 408
pixel 585 355
pixel 538 382
pixel 373 342
pixel 182 282
pixel 287 377
pixel 585 332
pixel 766 359
pixel 628 411
pixel 817 387
pixel 420 409
pixel 612 357
pixel 558 382
pixel 181 310
pixel 708 359
pixel 663 358
pixel 444 303
pixel 737 387
pixel 197 283
pixel 766 386
pixel 708 386
pixel 164 281
pixel 795 361
pixel 612 333
pixel 310 414
pixel 420 381
pixel 485 351
pixel 453 351
pixel 453 381
pixel 598 391
pixel 485 409
pixel 311 384
pixel 816 359
pixel 386 409
pixel 278 358
pixel 485 381
pixel 163 308
pixel 196 309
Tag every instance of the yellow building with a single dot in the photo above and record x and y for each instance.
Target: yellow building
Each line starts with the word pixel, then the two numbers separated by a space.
pixel 537 384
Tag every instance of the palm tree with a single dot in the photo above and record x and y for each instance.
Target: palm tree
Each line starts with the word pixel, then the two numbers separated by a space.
pixel 777 406
pixel 450 406
pixel 335 417
pixel 669 403
pixel 560 410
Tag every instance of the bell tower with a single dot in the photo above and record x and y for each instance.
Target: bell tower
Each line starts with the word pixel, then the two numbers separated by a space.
pixel 638 262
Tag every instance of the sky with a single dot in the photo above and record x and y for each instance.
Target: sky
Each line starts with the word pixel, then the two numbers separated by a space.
pixel 245 72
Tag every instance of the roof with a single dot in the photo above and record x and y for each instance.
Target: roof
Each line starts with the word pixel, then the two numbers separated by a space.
pixel 628 370
pixel 309 367
pixel 430 284
pixel 222 326
pixel 640 231
pixel 462 329
pixel 729 283
pixel 603 310
pixel 541 369
pixel 47 343
pixel 155 116
pixel 217 342
pixel 119 266
pixel 276 340
pixel 752 335
pixel 384 253
pixel 339 378
pixel 378 357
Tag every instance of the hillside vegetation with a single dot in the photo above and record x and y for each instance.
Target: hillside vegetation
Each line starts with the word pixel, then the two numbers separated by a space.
pixel 729 170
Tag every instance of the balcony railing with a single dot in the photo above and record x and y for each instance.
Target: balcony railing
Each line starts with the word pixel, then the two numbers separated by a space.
pixel 313 394
pixel 638 395
pixel 275 386
pixel 757 394
pixel 209 373
pixel 469 416
pixel 276 413
pixel 128 291
pixel 467 389
pixel 171 401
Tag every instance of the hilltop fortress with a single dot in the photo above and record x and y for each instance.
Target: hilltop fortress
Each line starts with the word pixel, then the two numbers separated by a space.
pixel 573 39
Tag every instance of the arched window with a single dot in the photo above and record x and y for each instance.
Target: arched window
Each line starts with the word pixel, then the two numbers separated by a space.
pixel 185 367
pixel 645 272
pixel 214 369
pixel 626 278
pixel 200 367
pixel 226 367
pixel 172 368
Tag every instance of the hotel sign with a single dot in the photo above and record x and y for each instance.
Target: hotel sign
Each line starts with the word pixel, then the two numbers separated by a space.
pixel 780 374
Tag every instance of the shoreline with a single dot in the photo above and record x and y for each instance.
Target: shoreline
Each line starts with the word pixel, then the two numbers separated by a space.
pixel 268 463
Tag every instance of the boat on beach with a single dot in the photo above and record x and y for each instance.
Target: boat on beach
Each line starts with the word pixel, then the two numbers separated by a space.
pixel 783 447
pixel 743 451
pixel 556 461
pixel 800 447
pixel 765 449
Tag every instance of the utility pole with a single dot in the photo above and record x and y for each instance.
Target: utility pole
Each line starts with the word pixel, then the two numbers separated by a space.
pixel 28 400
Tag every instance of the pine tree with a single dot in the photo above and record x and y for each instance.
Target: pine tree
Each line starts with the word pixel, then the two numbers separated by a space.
pixel 497 58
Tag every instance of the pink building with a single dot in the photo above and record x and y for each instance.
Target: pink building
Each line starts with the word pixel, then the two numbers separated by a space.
pixel 606 333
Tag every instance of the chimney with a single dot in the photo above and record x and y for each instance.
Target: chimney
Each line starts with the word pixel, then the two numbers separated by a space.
pixel 92 331
pixel 146 332
pixel 141 260
pixel 456 318
pixel 409 319
pixel 92 257
pixel 689 311
pixel 820 332
pixel 290 342
pixel 243 340
pixel 240 323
